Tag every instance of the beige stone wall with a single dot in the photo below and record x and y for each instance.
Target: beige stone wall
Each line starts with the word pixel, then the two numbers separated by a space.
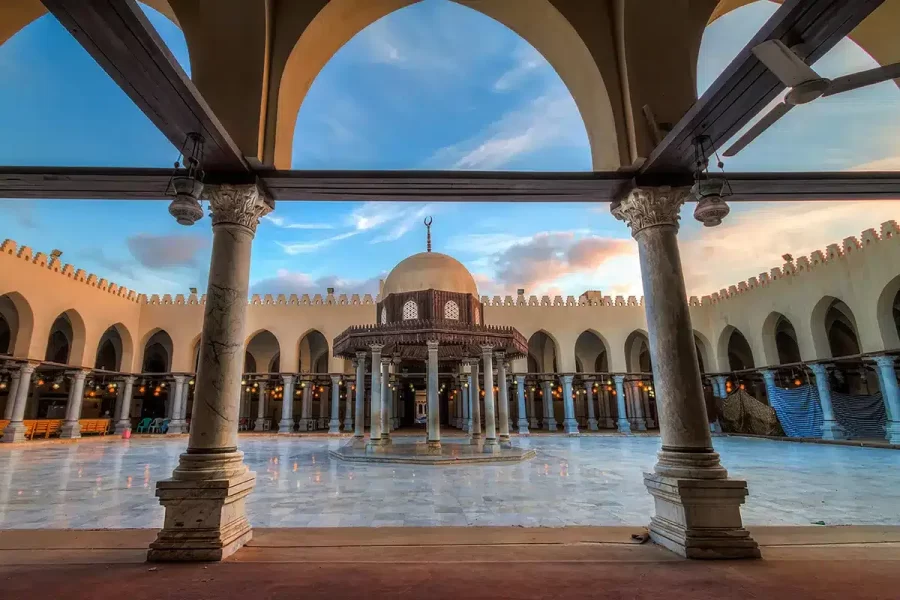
pixel 862 272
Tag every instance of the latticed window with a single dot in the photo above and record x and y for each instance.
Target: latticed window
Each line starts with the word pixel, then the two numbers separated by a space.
pixel 451 310
pixel 384 316
pixel 410 310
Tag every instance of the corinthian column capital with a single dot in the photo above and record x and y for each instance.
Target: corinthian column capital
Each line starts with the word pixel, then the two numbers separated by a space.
pixel 239 204
pixel 650 207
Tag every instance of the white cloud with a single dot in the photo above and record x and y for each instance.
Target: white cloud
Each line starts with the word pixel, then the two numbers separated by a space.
pixel 528 61
pixel 286 223
pixel 309 247
pixel 393 219
pixel 292 282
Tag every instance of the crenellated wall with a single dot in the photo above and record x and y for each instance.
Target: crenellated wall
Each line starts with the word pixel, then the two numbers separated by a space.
pixel 864 273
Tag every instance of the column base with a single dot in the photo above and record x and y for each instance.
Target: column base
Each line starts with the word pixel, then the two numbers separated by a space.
pixel 491 446
pixel 14 432
pixel 700 518
pixel 831 430
pixel 205 513
pixel 307 425
pixel 475 439
pixel 259 424
pixel 640 424
pixel 176 427
pixel 523 427
pixel 505 442
pixel 348 426
pixel 552 425
pixel 334 427
pixel 286 426
pixel 714 427
pixel 891 432
pixel 651 424
pixel 593 425
pixel 610 423
pixel 433 447
pixel 70 430
pixel 624 426
pixel 571 427
pixel 122 426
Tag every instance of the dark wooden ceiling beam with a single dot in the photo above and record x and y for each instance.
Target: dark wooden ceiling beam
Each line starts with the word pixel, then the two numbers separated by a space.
pixel 438 186
pixel 117 34
pixel 746 87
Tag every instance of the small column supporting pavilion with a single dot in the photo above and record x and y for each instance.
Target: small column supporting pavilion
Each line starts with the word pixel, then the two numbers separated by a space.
pixel 334 425
pixel 490 424
pixel 204 500
pixel 375 429
pixel 503 399
pixel 520 396
pixel 434 409
pixel 349 388
pixel 359 431
pixel 697 506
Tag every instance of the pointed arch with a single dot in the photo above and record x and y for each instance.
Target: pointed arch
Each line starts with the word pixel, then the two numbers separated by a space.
pixel 887 312
pixel 543 352
pixel 734 350
pixel 263 346
pixel 314 352
pixel 156 352
pixel 17 314
pixel 834 329
pixel 115 350
pixel 591 352
pixel 66 339
pixel 703 348
pixel 637 352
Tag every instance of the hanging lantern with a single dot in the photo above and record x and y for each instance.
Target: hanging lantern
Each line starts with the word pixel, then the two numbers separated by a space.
pixel 2 385
pixel 142 389
pixel 710 192
pixel 797 382
pixel 191 382
pixel 55 386
pixel 187 187
pixel 640 384
pixel 40 382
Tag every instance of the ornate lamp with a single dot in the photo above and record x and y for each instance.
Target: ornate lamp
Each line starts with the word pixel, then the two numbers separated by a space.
pixel 710 192
pixel 187 186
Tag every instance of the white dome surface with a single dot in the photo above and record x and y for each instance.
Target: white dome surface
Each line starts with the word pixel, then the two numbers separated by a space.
pixel 429 271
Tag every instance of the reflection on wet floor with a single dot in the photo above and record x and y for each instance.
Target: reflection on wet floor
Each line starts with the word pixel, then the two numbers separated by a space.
pixel 593 480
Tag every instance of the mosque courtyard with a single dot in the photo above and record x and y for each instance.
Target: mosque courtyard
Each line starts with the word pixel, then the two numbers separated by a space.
pixel 594 480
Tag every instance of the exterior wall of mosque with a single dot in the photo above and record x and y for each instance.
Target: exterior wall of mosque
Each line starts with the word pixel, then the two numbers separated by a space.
pixel 864 273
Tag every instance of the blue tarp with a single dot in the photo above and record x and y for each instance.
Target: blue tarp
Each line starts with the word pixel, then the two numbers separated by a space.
pixel 800 412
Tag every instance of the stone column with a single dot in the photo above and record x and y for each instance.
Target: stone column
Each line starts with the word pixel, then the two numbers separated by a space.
pixel 592 416
pixel 890 391
pixel 433 397
pixel 11 396
pixel 719 392
pixel 306 421
pixel 204 500
pixel 124 421
pixel 697 507
pixel 177 393
pixel 623 424
pixel 533 421
pixel 324 392
pixel 475 404
pixel 360 416
pixel 464 398
pixel 490 425
pixel 348 402
pixel 334 425
pixel 520 396
pixel 395 394
pixel 182 413
pixel 70 428
pixel 260 407
pixel 831 429
pixel 549 416
pixel 386 397
pixel 15 431
pixel 644 396
pixel 286 424
pixel 569 422
pixel 503 400
pixel 637 402
pixel 375 430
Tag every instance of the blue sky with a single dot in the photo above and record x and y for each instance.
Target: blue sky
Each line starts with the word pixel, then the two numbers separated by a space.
pixel 439 86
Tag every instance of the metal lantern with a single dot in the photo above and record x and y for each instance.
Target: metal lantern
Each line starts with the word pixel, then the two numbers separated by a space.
pixel 711 206
pixel 187 185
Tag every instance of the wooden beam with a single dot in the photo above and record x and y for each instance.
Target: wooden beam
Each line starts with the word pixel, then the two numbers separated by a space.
pixel 117 34
pixel 746 86
pixel 438 186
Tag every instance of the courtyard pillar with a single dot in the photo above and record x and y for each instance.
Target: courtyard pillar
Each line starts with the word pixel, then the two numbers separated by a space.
pixel 432 395
pixel 623 424
pixel 395 394
pixel 286 424
pixel 475 404
pixel 569 422
pixel 204 500
pixel 182 414
pixel 375 430
pixel 306 420
pixel 386 399
pixel 890 391
pixel 349 388
pixel 360 412
pixel 592 416
pixel 260 407
pixel 637 406
pixel 324 402
pixel 123 423
pixel 334 425
pixel 490 423
pixel 177 394
pixel 718 383
pixel 503 399
pixel 831 429
pixel 11 397
pixel 520 396
pixel 549 417
pixel 15 431
pixel 71 429
pixel 697 507
pixel 533 421
pixel 464 391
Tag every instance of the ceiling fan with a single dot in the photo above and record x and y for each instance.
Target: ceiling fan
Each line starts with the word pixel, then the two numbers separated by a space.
pixel 805 85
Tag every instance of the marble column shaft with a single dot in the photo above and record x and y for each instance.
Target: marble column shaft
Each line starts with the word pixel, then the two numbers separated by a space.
pixel 375 429
pixel 890 391
pixel 569 421
pixel 592 416
pixel 831 429
pixel 623 424
pixel 549 415
pixel 260 407
pixel 520 396
pixel 11 396
pixel 475 403
pixel 349 401
pixel 386 397
pixel 464 391
pixel 503 398
pixel 15 431
pixel 490 426
pixel 533 420
pixel 334 425
pixel 286 425
pixel 360 409
pixel 176 394
pixel 124 421
pixel 71 428
pixel 433 418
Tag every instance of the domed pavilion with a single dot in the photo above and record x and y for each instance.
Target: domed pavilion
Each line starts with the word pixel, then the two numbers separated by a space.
pixel 429 311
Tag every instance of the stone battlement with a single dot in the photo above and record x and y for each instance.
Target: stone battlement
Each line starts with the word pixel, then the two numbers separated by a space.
pixel 55 265
pixel 509 301
pixel 819 259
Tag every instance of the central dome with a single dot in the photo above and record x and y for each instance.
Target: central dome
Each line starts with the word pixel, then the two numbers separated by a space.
pixel 429 271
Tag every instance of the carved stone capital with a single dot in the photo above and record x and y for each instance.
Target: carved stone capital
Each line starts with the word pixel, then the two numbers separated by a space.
pixel 239 204
pixel 650 207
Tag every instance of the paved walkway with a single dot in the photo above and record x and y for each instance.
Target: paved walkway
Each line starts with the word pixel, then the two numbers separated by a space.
pixel 592 480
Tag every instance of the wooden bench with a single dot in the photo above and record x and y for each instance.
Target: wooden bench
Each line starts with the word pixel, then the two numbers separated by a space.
pixel 45 428
pixel 98 426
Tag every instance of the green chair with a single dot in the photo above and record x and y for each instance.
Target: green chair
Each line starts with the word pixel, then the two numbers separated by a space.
pixel 144 425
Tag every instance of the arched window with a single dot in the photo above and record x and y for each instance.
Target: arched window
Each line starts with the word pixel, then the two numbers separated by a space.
pixel 451 310
pixel 410 310
pixel 384 316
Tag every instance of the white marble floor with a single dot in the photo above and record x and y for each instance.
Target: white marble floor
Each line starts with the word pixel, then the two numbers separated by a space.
pixel 593 480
